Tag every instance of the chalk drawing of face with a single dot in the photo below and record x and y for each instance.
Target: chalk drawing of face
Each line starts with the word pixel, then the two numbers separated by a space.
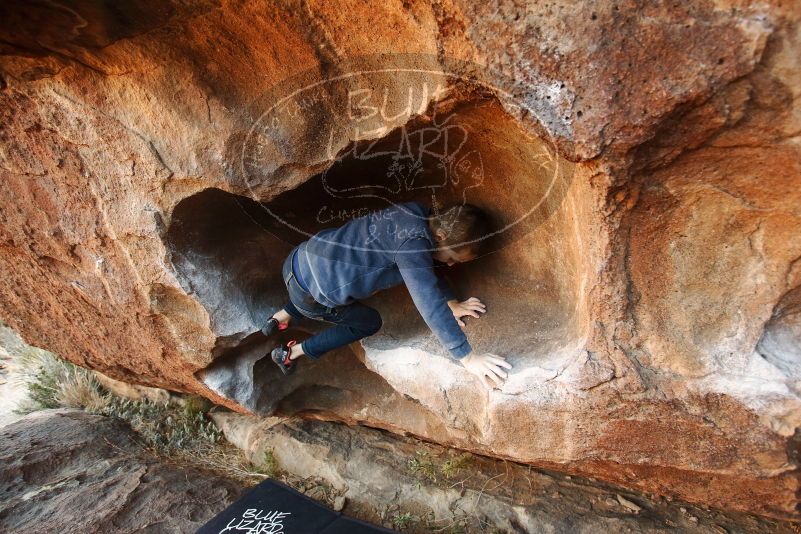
pixel 467 172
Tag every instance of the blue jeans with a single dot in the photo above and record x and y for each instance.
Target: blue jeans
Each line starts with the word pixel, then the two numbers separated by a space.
pixel 353 322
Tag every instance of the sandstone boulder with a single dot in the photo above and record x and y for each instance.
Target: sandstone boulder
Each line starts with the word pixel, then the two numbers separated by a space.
pixel 160 159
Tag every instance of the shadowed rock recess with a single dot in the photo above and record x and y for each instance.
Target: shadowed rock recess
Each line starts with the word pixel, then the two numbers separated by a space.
pixel 159 160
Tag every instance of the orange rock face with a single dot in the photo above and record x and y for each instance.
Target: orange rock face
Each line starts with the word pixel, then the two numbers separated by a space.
pixel 159 160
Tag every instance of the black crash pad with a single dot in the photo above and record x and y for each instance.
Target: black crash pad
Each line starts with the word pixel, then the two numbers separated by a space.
pixel 273 507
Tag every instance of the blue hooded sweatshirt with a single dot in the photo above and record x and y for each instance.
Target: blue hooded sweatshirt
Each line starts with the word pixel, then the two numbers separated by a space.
pixel 378 251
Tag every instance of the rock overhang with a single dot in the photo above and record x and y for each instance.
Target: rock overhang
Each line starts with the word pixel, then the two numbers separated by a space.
pixel 116 129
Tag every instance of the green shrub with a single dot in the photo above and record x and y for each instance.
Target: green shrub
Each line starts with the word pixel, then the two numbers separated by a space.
pixel 53 383
pixel 268 465
pixel 422 467
pixel 194 404
pixel 166 426
pixel 454 465
pixel 404 520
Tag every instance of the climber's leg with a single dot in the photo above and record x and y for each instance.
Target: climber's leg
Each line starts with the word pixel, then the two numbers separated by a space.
pixel 353 322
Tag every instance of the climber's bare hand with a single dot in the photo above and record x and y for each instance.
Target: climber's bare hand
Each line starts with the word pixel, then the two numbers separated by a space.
pixel 487 367
pixel 471 307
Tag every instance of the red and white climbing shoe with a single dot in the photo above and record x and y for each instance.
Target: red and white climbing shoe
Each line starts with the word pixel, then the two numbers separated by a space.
pixel 271 326
pixel 280 356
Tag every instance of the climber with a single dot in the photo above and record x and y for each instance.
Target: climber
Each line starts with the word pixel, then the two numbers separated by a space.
pixel 326 275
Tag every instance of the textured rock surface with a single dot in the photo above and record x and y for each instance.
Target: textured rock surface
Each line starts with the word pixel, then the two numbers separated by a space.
pixel 69 471
pixel 649 309
pixel 381 475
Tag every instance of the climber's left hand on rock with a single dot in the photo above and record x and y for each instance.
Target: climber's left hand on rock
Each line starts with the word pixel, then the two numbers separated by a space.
pixel 471 307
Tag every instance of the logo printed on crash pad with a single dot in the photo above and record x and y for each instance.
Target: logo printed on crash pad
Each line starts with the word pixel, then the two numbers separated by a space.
pixel 255 521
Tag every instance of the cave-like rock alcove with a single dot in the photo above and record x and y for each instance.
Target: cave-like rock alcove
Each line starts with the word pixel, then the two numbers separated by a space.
pixel 228 249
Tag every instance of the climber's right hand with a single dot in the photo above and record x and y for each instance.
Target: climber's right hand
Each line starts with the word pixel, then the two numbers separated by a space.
pixel 487 367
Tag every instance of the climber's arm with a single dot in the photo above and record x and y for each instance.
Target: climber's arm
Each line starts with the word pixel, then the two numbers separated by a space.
pixel 470 307
pixel 417 269
pixel 446 290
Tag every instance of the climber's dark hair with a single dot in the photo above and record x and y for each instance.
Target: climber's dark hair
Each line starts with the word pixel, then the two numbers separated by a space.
pixel 464 225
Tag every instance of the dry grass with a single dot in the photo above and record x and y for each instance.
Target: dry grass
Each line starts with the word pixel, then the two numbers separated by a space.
pixel 81 390
pixel 178 431
pixel 53 383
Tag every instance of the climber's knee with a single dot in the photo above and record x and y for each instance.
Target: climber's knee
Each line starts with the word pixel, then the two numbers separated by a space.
pixel 371 323
pixel 376 324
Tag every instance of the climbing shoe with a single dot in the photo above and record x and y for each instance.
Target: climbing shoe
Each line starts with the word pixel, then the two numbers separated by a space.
pixel 280 356
pixel 273 325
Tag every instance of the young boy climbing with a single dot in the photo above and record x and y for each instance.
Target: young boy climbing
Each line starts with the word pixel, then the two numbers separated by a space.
pixel 328 274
